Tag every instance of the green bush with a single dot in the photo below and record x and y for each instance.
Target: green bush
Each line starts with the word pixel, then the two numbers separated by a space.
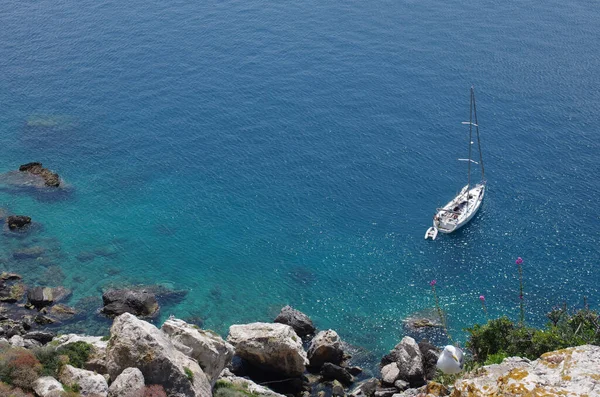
pixel 502 338
pixel 53 359
pixel 189 373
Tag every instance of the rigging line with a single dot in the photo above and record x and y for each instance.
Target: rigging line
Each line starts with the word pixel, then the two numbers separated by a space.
pixel 478 140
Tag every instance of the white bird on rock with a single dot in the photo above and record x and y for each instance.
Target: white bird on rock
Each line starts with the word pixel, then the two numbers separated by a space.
pixel 451 360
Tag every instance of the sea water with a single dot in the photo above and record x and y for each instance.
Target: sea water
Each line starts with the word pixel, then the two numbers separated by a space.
pixel 256 154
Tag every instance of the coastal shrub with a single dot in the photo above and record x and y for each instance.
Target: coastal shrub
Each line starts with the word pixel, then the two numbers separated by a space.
pixel 154 391
pixel 227 389
pixel 8 391
pixel 19 367
pixel 501 337
pixel 53 359
pixel 189 373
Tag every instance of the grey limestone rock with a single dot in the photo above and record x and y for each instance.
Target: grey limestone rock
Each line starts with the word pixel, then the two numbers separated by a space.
pixel 209 349
pixel 137 343
pixel 130 383
pixel 274 347
pixel 299 321
pixel 574 371
pixel 326 346
pixel 89 383
pixel 47 386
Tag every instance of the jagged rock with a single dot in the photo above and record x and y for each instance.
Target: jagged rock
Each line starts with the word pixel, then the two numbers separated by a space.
pixel 47 386
pixel 408 357
pixel 130 383
pixel 337 389
pixel 274 347
pixel 10 276
pixel 390 373
pixel 435 389
pixel 430 355
pixel 246 384
pixel 331 371
pixel 401 385
pixel 40 297
pixel 570 372
pixel 209 349
pixel 89 382
pixel 326 346
pixel 136 343
pixel 11 292
pixel 41 336
pixel 17 341
pixel 61 312
pixel 355 370
pixel 385 392
pixel 137 302
pixel 366 388
pixel 50 178
pixel 17 222
pixel 299 321
pixel 43 320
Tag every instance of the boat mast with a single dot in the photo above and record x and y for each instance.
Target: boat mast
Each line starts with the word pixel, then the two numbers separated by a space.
pixel 470 139
pixel 478 141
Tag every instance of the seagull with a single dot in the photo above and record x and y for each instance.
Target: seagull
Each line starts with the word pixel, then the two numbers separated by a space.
pixel 451 360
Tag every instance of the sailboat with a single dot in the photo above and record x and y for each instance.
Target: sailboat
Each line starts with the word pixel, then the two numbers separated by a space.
pixel 462 208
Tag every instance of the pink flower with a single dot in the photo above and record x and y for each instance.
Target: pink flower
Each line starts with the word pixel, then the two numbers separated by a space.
pixel 482 298
pixel 519 261
pixel 433 282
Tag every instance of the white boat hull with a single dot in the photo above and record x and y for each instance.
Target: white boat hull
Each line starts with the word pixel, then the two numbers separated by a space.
pixel 460 210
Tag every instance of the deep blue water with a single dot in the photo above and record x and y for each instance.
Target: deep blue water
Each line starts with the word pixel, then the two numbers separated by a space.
pixel 260 153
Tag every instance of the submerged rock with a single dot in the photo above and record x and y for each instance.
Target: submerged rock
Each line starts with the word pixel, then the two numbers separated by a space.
pixel 40 297
pixel 331 371
pixel 137 302
pixel 137 343
pixel 50 178
pixel 18 222
pixel 273 347
pixel 299 321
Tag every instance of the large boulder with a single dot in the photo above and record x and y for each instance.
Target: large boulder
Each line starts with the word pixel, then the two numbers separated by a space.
pixel 137 302
pixel 18 222
pixel 230 381
pixel 390 373
pixel 409 360
pixel 299 321
pixel 430 355
pixel 129 384
pixel 50 178
pixel 273 347
pixel 331 371
pixel 90 383
pixel 326 346
pixel 47 386
pixel 209 349
pixel 40 297
pixel 137 343
pixel 571 372
pixel 41 336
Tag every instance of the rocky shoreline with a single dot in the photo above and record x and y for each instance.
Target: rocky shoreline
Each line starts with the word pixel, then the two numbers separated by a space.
pixel 286 357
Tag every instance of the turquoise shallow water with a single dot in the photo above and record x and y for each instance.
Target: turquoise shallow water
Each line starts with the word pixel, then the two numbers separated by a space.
pixel 257 154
